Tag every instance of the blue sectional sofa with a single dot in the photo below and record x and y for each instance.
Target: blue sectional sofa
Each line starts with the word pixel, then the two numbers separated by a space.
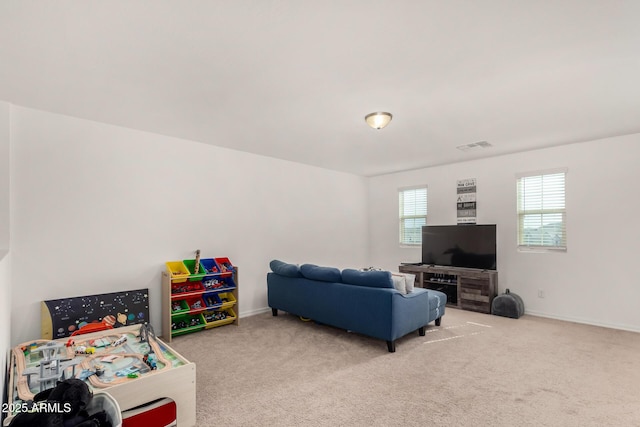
pixel 365 302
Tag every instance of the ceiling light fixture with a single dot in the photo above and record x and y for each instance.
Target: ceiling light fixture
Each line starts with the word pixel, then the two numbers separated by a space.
pixel 378 120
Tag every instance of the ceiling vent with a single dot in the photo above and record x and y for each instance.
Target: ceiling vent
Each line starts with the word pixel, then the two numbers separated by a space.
pixel 474 146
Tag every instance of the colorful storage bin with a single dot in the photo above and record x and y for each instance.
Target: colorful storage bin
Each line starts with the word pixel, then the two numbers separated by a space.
pixel 219 317
pixel 218 283
pixel 227 300
pixel 195 304
pixel 187 323
pixel 212 300
pixel 191 266
pixel 179 306
pixel 178 271
pixel 210 266
pixel 224 265
pixel 185 288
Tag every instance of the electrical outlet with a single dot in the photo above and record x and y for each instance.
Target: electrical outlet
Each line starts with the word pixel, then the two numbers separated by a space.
pixel 540 293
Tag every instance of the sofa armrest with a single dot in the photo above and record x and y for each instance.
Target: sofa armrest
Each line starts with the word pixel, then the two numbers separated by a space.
pixel 410 312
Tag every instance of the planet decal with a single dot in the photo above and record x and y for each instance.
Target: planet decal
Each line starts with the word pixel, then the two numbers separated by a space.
pixel 109 320
pixel 122 318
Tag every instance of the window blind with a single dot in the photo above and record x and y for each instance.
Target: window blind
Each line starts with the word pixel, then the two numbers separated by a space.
pixel 541 211
pixel 413 215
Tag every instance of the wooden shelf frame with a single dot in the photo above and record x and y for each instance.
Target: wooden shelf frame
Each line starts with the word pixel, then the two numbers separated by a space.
pixel 168 298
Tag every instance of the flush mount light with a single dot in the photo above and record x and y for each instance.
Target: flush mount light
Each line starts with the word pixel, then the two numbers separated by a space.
pixel 378 120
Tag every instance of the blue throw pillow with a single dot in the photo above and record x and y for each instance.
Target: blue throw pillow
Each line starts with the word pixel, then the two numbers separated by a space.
pixel 372 279
pixel 285 269
pixel 324 274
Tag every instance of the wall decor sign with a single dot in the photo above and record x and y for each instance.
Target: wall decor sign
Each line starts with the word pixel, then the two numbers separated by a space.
pixel 466 201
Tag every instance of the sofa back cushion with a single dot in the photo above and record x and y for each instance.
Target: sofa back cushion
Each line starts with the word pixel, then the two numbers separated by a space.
pixel 324 274
pixel 372 279
pixel 285 269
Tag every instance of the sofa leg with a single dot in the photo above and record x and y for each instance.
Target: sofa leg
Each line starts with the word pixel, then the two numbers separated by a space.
pixel 274 311
pixel 391 345
pixel 438 321
pixel 421 331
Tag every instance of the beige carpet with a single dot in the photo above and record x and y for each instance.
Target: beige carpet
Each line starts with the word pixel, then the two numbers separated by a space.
pixel 473 370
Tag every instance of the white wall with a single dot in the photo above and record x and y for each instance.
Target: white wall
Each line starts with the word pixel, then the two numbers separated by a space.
pixel 5 315
pixel 5 159
pixel 5 276
pixel 99 208
pixel 594 281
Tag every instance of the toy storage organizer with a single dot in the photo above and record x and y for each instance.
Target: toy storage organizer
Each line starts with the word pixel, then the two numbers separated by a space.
pixel 193 301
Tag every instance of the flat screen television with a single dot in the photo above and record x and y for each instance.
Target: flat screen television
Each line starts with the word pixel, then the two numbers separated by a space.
pixel 465 245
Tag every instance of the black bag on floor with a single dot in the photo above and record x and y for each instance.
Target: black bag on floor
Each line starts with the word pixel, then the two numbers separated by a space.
pixel 508 305
pixel 72 396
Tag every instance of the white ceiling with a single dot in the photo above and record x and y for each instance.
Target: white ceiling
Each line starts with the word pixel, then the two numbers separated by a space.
pixel 293 79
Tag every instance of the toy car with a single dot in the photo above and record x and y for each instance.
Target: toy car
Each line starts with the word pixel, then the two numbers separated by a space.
pixel 119 341
pixel 127 371
pixel 85 350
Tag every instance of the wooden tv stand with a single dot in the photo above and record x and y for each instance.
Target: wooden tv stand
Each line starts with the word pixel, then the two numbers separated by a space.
pixel 466 288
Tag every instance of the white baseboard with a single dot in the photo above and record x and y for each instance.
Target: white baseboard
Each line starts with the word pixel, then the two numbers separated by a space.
pixel 583 321
pixel 254 312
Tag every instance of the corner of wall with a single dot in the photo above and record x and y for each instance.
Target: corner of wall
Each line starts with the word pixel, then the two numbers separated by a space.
pixel 5 261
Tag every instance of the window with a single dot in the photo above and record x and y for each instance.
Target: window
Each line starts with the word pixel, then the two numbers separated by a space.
pixel 413 215
pixel 541 211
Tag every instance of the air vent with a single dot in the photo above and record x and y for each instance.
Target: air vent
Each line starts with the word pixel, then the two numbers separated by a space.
pixel 474 146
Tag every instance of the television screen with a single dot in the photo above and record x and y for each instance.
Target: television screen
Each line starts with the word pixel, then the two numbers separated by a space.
pixel 466 245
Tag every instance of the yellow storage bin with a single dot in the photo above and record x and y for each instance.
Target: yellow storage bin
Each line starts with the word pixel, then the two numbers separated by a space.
pixel 230 300
pixel 210 318
pixel 178 271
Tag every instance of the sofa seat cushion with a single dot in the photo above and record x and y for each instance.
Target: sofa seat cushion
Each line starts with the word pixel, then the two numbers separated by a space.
pixel 285 269
pixel 324 274
pixel 437 299
pixel 372 279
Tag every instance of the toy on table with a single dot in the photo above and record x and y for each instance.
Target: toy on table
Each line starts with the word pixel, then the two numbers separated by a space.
pixel 128 371
pixel 119 341
pixel 99 369
pixel 146 333
pixel 149 360
pixel 81 349
pixel 86 374
pixel 52 367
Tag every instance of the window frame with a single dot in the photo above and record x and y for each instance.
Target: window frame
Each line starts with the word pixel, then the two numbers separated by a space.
pixel 520 214
pixel 401 218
